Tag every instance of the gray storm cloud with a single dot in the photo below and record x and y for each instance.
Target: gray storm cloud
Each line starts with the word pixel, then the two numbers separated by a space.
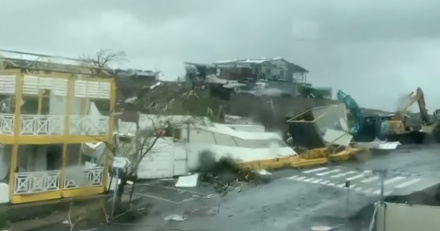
pixel 374 50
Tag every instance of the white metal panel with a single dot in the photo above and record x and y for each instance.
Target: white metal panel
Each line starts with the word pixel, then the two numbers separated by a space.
pixel 31 85
pixel 7 84
pixel 92 89
pixel 59 87
pixel 407 217
pixel 159 163
pixel 80 88
pixel 104 90
pixel 180 160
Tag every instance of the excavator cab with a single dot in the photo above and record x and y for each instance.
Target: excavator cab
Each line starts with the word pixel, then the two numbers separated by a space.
pixel 374 127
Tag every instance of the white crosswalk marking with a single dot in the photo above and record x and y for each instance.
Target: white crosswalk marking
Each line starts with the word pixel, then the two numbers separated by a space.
pixel 394 179
pixel 408 183
pixel 356 177
pixel 328 172
pixel 371 179
pixel 315 170
pixel 336 176
pixel 343 174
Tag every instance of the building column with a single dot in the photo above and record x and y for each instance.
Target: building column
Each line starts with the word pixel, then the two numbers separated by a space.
pixel 17 125
pixel 68 109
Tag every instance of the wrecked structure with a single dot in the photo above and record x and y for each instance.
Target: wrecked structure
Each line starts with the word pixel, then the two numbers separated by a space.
pixel 319 135
pixel 264 76
pixel 47 112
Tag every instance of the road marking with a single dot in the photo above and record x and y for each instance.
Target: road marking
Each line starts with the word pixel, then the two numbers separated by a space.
pixel 343 174
pixel 315 170
pixel 408 183
pixel 397 178
pixel 358 189
pixel 292 177
pixel 331 184
pixel 328 172
pixel 324 182
pixel 308 180
pixel 341 185
pixel 301 178
pixel 356 177
pixel 316 181
pixel 370 179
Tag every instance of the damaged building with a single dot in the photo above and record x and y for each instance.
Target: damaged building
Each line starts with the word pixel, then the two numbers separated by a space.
pixel 264 76
pixel 47 113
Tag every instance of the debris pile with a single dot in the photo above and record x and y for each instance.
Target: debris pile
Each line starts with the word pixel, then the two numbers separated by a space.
pixel 225 173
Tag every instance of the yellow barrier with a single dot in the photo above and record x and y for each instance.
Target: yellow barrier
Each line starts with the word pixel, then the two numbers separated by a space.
pixel 310 158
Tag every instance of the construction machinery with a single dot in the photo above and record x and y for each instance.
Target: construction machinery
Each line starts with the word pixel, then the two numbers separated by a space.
pixel 427 130
pixel 365 128
pixel 395 127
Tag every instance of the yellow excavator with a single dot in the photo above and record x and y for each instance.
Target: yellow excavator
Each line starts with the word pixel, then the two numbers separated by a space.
pixel 427 131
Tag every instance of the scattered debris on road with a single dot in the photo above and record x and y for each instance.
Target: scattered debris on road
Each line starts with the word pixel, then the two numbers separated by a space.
pixel 188 181
pixel 175 217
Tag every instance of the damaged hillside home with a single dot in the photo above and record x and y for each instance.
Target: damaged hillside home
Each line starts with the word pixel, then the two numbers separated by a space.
pixel 130 82
pixel 265 76
pixel 47 111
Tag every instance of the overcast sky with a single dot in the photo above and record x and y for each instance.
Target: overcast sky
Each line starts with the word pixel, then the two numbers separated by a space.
pixel 375 50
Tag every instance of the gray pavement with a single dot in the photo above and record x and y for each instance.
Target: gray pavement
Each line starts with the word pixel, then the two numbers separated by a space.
pixel 298 200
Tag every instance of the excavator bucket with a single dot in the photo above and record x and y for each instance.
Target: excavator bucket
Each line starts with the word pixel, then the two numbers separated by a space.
pixel 309 129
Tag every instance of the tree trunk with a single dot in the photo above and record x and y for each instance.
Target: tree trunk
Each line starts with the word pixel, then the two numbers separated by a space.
pixel 120 191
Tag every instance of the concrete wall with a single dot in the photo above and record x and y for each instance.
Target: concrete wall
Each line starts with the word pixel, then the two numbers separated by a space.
pixel 407 217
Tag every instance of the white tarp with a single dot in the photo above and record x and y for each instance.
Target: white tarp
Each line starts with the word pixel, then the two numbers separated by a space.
pixel 378 144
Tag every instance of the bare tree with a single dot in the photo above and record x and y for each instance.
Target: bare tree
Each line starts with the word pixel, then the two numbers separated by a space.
pixel 102 60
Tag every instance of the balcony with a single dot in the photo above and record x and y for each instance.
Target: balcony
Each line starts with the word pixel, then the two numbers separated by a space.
pixel 31 186
pixel 53 126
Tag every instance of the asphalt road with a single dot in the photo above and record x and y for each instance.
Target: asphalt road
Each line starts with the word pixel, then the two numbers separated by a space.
pixel 298 199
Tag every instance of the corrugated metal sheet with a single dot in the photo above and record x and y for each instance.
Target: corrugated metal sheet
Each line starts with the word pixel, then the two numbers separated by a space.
pixel 7 84
pixel 92 89
pixel 31 85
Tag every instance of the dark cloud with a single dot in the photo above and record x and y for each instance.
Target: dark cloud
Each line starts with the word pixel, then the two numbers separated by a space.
pixel 375 50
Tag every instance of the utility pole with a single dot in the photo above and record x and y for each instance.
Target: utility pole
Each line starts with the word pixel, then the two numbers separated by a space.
pixel 347 208
pixel 382 173
pixel 138 155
